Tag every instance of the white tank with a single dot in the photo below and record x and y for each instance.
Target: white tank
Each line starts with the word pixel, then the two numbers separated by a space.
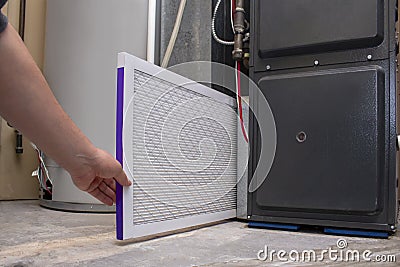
pixel 82 42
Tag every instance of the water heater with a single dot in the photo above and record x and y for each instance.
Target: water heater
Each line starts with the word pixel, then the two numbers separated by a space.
pixel 83 39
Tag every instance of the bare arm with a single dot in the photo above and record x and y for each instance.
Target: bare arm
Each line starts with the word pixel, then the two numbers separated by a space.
pixel 27 102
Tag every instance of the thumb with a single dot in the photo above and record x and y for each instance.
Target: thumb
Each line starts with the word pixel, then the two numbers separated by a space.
pixel 121 177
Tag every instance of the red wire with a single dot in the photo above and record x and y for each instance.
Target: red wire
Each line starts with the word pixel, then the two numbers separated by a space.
pixel 238 85
pixel 240 105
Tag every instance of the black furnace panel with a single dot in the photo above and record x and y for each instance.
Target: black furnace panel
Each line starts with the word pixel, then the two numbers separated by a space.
pixel 299 27
pixel 328 71
pixel 330 142
pixel 289 34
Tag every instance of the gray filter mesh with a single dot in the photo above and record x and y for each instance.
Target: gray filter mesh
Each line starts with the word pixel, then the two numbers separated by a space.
pixel 184 152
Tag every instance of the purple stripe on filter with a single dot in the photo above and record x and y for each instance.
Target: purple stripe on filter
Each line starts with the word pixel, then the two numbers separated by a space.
pixel 119 150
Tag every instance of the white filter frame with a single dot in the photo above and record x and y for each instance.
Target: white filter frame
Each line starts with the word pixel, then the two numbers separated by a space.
pixel 128 65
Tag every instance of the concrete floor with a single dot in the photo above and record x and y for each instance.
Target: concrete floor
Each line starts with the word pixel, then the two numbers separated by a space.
pixel 34 236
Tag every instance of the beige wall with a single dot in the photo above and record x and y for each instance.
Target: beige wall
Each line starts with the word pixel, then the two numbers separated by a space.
pixel 35 21
pixel 11 9
pixel 15 170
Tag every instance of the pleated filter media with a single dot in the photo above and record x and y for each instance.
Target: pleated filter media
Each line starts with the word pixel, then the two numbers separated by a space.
pixel 177 142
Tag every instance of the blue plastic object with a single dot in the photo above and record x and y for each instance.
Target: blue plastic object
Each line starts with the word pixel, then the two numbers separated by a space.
pixel 274 226
pixel 362 233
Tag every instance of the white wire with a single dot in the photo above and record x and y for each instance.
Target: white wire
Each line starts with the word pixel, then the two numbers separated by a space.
pixel 39 173
pixel 214 33
pixel 233 25
pixel 42 164
pixel 45 169
pixel 174 34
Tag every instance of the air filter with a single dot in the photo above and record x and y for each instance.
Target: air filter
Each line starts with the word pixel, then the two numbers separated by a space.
pixel 177 142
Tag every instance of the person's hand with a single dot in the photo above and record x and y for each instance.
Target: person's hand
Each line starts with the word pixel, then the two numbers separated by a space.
pixel 22 84
pixel 97 175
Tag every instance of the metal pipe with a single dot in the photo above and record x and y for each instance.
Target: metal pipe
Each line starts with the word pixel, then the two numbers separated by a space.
pixel 22 12
pixel 19 149
pixel 246 51
pixel 239 26
pixel 151 30
pixel 21 31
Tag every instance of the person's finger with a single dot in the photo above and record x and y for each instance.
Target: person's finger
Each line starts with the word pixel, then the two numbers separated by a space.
pixel 94 184
pixel 107 191
pixel 97 193
pixel 121 178
pixel 111 184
